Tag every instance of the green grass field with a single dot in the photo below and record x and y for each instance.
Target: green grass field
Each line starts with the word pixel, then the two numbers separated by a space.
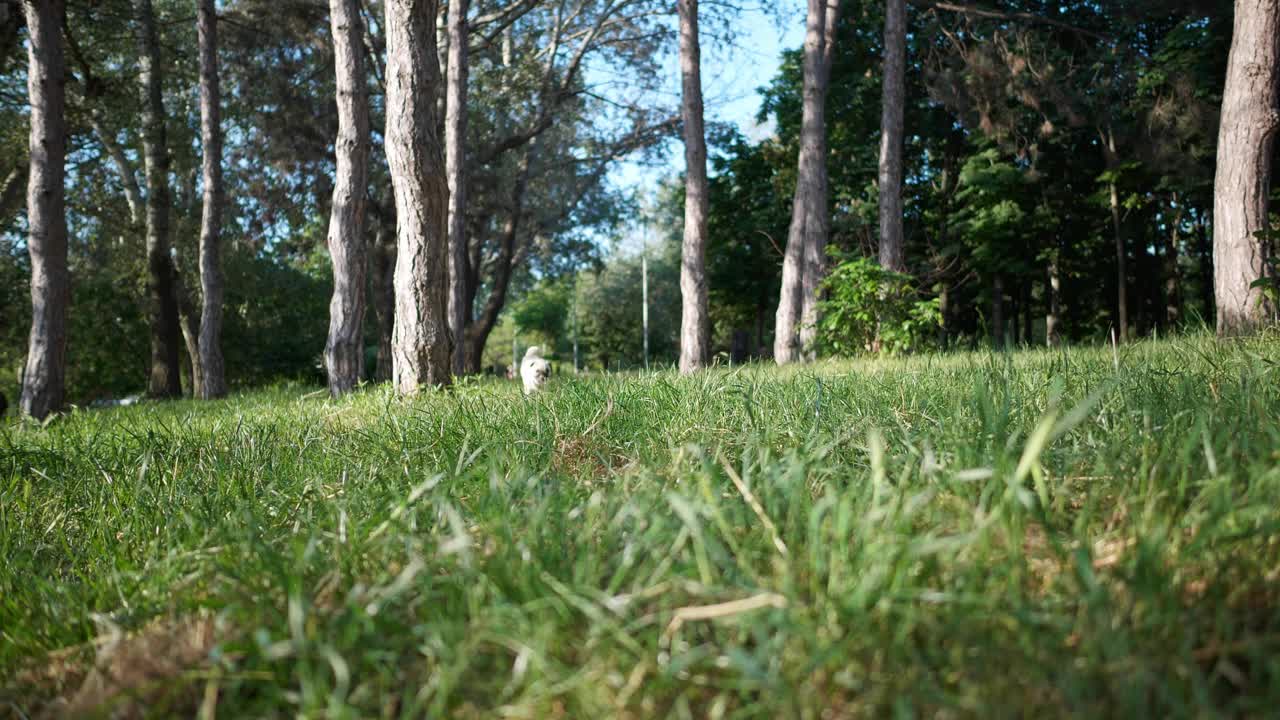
pixel 972 535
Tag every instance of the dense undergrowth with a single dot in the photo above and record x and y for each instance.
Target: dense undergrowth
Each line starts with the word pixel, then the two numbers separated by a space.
pixel 1067 532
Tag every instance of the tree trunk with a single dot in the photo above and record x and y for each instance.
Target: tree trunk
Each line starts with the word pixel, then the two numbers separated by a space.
pixel 421 345
pixel 694 323
pixel 761 313
pixel 1122 275
pixel 1051 319
pixel 455 135
pixel 1015 307
pixel 1172 278
pixel 1028 320
pixel 11 192
pixel 1246 134
pixel 997 311
pixel 1204 246
pixel 478 331
pixel 944 312
pixel 189 323
pixel 213 374
pixel 818 227
pixel 165 380
pixel 44 375
pixel 344 350
pixel 786 342
pixel 384 296
pixel 892 254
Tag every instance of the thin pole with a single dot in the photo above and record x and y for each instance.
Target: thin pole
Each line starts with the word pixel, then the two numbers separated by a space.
pixel 575 326
pixel 644 286
pixel 515 357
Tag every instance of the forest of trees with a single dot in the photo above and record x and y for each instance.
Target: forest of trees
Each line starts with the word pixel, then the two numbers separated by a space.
pixel 184 184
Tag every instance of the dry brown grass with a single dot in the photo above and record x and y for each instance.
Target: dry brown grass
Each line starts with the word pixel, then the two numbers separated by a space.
pixel 124 675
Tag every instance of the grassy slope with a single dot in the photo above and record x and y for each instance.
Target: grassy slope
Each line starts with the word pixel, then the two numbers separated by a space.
pixel 473 552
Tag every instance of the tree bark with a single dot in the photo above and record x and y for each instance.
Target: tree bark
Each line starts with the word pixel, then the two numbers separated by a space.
pixel 344 350
pixel 455 135
pixel 761 313
pixel 165 379
pixel 213 379
pixel 1015 307
pixel 892 253
pixel 421 345
pixel 11 192
pixel 1204 248
pixel 695 324
pixel 818 227
pixel 1028 319
pixel 1246 135
pixel 1051 319
pixel 997 311
pixel 128 178
pixel 189 323
pixel 1172 276
pixel 944 313
pixel 44 374
pixel 786 342
pixel 478 331
pixel 1122 274
pixel 384 296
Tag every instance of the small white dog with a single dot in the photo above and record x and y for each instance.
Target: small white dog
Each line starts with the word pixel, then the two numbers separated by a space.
pixel 534 370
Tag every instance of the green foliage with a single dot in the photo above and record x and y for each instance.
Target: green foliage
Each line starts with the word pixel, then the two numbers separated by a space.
pixel 1005 172
pixel 869 309
pixel 546 309
pixel 15 315
pixel 610 310
pixel 1269 284
pixel 915 529
pixel 272 330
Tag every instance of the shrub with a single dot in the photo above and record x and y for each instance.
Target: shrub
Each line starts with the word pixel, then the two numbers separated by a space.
pixel 870 309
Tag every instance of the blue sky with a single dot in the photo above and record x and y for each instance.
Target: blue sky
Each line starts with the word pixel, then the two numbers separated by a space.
pixel 730 78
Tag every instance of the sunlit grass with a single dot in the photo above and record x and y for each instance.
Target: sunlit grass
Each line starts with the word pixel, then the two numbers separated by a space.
pixel 964 535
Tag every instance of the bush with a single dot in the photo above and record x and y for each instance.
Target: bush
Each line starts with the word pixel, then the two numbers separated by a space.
pixel 870 309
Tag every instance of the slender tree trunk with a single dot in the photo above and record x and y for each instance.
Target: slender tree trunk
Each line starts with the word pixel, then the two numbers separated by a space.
pixel 762 312
pixel 384 296
pixel 44 374
pixel 997 310
pixel 1028 318
pixel 818 227
pixel 1204 246
pixel 1122 274
pixel 213 378
pixel 165 380
pixel 694 323
pixel 11 192
pixel 477 334
pixel 1172 277
pixel 1015 307
pixel 189 323
pixel 786 342
pixel 1054 288
pixel 1246 135
pixel 455 136
pixel 344 350
pixel 944 311
pixel 421 345
pixel 892 254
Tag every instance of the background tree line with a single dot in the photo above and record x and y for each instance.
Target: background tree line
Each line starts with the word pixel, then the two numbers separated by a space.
pixel 1058 178
pixel 1055 180
pixel 540 140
